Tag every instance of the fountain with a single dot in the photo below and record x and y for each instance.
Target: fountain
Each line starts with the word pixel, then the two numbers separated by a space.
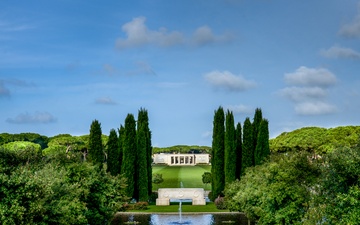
pixel 180 218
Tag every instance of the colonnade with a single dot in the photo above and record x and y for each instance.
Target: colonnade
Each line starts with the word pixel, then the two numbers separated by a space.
pixel 182 160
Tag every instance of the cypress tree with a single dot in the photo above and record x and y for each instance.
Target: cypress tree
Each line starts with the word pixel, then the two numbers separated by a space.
pixel 247 147
pixel 230 148
pixel 113 153
pixel 96 152
pixel 262 148
pixel 144 144
pixel 217 159
pixel 238 143
pixel 121 144
pixel 141 163
pixel 256 127
pixel 129 155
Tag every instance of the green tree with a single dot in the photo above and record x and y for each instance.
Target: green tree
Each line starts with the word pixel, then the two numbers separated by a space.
pixel 129 155
pixel 121 147
pixel 113 153
pixel 238 143
pixel 256 125
pixel 276 192
pixel 157 178
pixel 262 149
pixel 247 147
pixel 217 159
pixel 230 148
pixel 96 152
pixel 141 166
pixel 143 118
pixel 206 178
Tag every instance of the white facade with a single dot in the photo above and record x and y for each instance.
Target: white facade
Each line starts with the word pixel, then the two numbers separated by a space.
pixel 181 159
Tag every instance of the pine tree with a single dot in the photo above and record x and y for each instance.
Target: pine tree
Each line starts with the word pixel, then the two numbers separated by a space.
pixel 129 155
pixel 217 159
pixel 113 153
pixel 238 143
pixel 230 149
pixel 247 147
pixel 256 127
pixel 96 152
pixel 262 148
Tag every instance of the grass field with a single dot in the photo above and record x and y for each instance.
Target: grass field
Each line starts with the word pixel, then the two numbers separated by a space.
pixel 189 176
pixel 186 207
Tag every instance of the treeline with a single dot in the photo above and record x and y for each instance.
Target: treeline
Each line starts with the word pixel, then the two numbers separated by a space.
pixel 316 140
pixel 127 152
pixel 235 148
pixel 182 149
pixel 75 179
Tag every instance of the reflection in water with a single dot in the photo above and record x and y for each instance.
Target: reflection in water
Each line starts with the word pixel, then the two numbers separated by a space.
pixel 167 219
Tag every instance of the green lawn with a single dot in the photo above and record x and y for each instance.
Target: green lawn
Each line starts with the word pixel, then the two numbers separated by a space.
pixel 190 176
pixel 186 207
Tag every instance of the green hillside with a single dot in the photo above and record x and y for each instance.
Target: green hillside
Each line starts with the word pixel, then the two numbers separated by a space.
pixel 316 139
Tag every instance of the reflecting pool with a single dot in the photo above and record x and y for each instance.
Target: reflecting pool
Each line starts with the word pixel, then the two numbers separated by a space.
pixel 167 219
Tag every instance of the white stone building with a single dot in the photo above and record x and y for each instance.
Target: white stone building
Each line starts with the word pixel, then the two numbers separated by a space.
pixel 181 159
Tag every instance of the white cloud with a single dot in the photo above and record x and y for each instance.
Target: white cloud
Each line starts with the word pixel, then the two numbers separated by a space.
pixel 37 117
pixel 228 81
pixel 105 101
pixel 298 94
pixel 315 108
pixel 339 52
pixel 311 77
pixel 239 109
pixel 204 35
pixel 351 30
pixel 310 90
pixel 138 34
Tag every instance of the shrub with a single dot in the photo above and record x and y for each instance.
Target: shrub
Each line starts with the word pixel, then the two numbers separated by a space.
pixel 220 203
pixel 141 206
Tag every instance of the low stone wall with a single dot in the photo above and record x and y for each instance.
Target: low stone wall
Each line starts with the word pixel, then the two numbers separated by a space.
pixel 196 194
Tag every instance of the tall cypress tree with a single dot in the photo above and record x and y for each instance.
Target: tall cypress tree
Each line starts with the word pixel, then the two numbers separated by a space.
pixel 217 159
pixel 113 153
pixel 96 152
pixel 144 144
pixel 238 143
pixel 247 147
pixel 141 163
pixel 256 127
pixel 129 155
pixel 121 144
pixel 262 148
pixel 230 148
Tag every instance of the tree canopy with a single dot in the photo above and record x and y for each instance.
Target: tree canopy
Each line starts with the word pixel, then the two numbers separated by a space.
pixel 316 140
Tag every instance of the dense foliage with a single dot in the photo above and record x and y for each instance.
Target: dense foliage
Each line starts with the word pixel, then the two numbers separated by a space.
pixel 316 139
pixel 298 188
pixel 56 189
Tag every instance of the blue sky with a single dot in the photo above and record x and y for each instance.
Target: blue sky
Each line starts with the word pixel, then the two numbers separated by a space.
pixel 65 63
